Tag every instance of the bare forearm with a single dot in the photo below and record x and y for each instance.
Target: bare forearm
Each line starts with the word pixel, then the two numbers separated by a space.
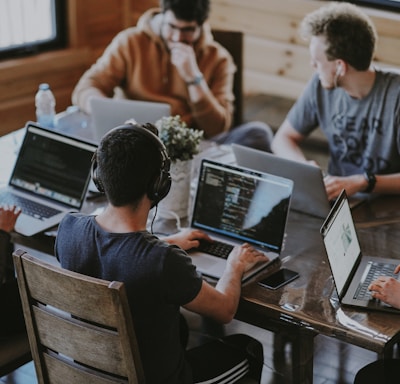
pixel 387 183
pixel 286 143
pixel 230 286
pixel 221 302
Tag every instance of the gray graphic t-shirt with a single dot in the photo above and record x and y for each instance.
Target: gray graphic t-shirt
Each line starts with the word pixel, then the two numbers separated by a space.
pixel 362 134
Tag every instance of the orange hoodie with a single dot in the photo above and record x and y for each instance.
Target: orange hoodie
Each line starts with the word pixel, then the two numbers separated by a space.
pixel 138 62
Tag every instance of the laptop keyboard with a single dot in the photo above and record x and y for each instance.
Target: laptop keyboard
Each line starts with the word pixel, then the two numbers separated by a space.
pixel 375 270
pixel 30 208
pixel 216 248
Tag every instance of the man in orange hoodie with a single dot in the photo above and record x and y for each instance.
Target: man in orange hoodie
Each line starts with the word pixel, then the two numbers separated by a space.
pixel 171 57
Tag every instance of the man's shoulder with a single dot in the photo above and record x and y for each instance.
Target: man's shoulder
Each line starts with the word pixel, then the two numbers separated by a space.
pixel 74 219
pixel 210 45
pixel 128 34
pixel 391 71
pixel 387 82
pixel 388 75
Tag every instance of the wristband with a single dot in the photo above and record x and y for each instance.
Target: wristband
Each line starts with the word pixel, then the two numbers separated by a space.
pixel 196 80
pixel 371 179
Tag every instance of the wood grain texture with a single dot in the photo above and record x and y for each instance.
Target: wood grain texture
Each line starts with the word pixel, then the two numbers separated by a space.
pixel 275 58
pixel 80 328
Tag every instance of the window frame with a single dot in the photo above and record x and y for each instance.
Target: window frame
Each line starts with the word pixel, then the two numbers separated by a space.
pixel 388 5
pixel 58 42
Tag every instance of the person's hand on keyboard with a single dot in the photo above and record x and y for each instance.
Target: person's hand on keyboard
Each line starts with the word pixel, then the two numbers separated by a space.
pixel 187 238
pixel 8 216
pixel 387 289
pixel 247 256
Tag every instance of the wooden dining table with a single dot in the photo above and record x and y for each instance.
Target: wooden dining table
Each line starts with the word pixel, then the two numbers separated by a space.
pixel 307 306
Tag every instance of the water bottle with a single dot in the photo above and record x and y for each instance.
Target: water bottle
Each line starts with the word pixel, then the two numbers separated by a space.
pixel 45 106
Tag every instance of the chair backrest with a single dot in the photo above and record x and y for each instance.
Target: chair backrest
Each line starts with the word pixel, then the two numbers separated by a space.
pixel 233 42
pixel 80 328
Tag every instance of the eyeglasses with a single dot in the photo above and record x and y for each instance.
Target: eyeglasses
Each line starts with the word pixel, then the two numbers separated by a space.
pixel 188 31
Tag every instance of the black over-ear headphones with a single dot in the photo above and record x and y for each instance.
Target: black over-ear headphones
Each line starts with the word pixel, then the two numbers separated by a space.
pixel 160 187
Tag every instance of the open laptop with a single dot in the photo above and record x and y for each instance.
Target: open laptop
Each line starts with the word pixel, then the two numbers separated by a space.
pixel 309 194
pixel 108 113
pixel 236 205
pixel 49 179
pixel 352 271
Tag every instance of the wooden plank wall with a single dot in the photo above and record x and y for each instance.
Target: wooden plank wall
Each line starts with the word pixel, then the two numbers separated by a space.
pixel 91 26
pixel 276 61
pixel 19 81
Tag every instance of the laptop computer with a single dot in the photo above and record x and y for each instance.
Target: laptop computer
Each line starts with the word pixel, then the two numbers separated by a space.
pixel 352 271
pixel 309 194
pixel 49 179
pixel 108 113
pixel 236 205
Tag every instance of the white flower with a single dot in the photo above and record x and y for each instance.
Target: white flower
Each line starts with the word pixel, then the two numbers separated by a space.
pixel 181 142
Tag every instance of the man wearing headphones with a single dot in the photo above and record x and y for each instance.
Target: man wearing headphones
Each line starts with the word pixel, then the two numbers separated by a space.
pixel 131 166
pixel 356 106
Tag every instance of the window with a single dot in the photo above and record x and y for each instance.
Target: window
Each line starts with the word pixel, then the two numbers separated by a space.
pixel 31 26
pixel 393 5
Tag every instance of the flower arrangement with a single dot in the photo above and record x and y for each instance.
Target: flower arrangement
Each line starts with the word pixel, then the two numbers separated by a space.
pixel 181 142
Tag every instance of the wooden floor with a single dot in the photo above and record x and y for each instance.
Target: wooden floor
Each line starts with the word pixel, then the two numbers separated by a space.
pixel 335 362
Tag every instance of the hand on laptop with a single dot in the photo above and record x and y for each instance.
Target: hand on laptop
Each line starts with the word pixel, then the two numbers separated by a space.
pixel 387 289
pixel 352 184
pixel 8 217
pixel 246 255
pixel 187 238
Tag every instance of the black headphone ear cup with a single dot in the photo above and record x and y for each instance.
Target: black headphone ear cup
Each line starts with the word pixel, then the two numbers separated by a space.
pixel 94 174
pixel 160 187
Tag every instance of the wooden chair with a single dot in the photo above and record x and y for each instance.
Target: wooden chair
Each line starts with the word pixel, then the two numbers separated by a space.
pixel 233 42
pixel 80 328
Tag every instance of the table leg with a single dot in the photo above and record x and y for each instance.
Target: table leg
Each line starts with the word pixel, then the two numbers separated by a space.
pixel 302 357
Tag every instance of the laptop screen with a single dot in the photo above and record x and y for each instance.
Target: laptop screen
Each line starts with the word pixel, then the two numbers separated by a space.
pixel 108 113
pixel 309 194
pixel 53 166
pixel 242 204
pixel 341 243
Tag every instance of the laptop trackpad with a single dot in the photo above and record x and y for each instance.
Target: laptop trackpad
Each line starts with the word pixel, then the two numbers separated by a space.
pixel 208 264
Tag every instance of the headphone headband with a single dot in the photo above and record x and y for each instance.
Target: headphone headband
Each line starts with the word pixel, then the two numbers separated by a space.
pixel 158 188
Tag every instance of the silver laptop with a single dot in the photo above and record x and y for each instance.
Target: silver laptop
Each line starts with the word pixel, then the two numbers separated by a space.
pixel 236 205
pixel 49 179
pixel 309 194
pixel 352 272
pixel 108 113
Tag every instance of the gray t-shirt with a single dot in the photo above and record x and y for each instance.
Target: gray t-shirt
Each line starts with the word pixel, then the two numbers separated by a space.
pixel 362 134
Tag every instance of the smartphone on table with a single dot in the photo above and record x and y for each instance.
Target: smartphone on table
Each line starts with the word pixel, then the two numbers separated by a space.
pixel 279 278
